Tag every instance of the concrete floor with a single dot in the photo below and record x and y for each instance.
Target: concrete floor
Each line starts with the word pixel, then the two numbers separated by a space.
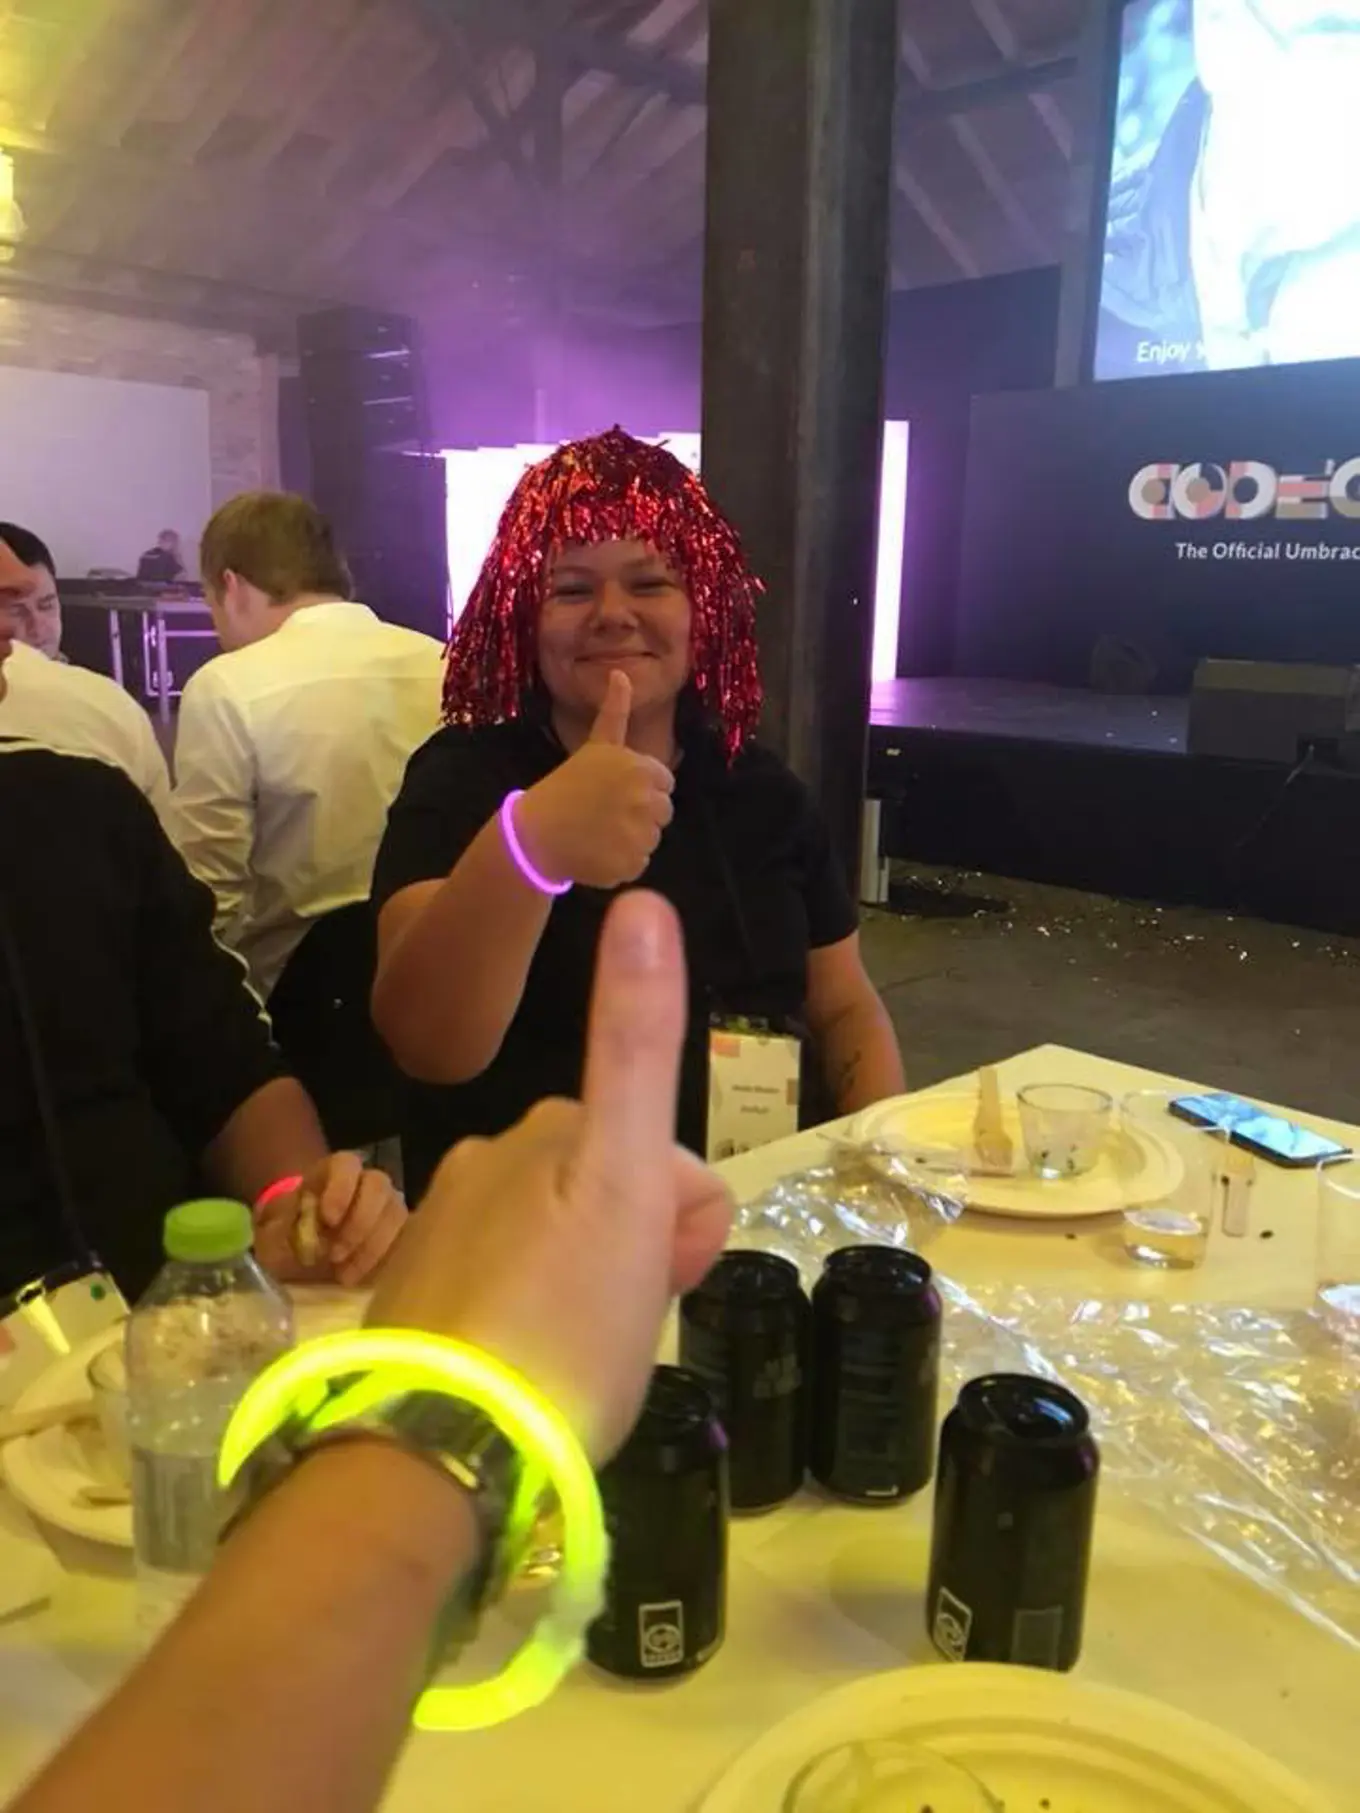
pixel 1268 1011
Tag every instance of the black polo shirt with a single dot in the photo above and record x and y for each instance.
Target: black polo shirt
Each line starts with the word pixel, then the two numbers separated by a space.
pixel 747 864
pixel 117 1003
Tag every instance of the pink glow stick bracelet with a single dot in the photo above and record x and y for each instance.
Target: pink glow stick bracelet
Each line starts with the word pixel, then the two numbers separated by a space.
pixel 517 853
pixel 282 1186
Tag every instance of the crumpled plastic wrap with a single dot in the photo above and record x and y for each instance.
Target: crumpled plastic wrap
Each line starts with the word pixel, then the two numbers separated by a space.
pixel 1241 1426
pixel 863 1191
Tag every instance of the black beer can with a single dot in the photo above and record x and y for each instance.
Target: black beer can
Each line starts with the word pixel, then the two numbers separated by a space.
pixel 1015 1505
pixel 665 1506
pixel 745 1331
pixel 875 1374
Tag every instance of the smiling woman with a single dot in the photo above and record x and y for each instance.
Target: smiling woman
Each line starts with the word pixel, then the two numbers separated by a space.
pixel 615 608
pixel 602 696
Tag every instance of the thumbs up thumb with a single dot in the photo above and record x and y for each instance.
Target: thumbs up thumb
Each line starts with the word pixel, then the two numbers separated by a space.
pixel 611 726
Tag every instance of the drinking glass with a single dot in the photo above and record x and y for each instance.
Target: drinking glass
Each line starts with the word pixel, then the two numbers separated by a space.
pixel 1338 1269
pixel 886 1775
pixel 107 1373
pixel 1065 1126
pixel 1203 1173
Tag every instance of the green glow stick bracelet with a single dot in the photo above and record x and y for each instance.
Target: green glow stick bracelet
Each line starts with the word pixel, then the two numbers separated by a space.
pixel 396 1361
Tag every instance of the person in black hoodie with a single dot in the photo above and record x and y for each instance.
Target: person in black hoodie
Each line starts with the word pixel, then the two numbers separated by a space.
pixel 136 1067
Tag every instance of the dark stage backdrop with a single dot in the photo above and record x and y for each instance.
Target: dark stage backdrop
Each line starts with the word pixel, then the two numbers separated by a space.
pixel 945 345
pixel 1213 516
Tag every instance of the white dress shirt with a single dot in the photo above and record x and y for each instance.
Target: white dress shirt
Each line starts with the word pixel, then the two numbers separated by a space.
pixel 76 712
pixel 288 755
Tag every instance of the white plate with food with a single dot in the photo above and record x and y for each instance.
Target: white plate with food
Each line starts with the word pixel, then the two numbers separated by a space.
pixel 1134 1168
pixel 1037 1743
pixel 61 1471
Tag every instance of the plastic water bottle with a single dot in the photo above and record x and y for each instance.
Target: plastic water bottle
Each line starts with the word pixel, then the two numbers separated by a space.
pixel 210 1322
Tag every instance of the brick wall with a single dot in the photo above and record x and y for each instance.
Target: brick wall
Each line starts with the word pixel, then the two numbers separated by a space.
pixel 242 385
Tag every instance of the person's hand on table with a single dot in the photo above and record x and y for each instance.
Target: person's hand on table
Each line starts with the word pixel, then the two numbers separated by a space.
pixel 558 1246
pixel 599 817
pixel 339 1226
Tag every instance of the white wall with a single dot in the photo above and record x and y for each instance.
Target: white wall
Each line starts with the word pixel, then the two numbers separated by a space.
pixel 98 466
pixel 241 383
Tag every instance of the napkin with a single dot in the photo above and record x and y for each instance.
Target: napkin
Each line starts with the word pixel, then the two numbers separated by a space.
pixel 28 1568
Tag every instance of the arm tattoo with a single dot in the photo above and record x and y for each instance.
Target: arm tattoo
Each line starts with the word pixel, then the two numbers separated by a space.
pixel 847 1075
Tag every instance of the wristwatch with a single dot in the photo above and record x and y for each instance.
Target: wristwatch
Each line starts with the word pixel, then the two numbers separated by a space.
pixel 460 1442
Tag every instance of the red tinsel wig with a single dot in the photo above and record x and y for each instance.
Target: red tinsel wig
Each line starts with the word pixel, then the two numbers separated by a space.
pixel 609 488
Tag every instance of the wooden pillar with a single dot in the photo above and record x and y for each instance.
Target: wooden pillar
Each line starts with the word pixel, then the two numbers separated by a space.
pixel 801 98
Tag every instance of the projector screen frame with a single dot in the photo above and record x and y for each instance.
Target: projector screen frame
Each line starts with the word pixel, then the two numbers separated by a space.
pixel 1083 284
pixel 1104 57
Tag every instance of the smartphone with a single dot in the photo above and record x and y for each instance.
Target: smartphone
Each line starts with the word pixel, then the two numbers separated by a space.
pixel 1282 1142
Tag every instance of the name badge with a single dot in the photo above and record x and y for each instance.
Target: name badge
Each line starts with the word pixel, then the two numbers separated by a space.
pixel 50 1318
pixel 753 1084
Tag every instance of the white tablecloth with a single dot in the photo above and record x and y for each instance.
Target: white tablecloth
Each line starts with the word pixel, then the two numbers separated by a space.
pixel 820 1593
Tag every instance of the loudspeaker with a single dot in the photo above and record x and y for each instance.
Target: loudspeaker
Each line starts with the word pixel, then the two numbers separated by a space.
pixel 389 515
pixel 1271 711
pixel 362 385
pixel 363 402
pixel 353 330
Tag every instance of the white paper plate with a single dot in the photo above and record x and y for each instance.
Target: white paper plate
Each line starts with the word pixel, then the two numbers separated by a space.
pixel 1041 1743
pixel 1134 1169
pixel 47 1471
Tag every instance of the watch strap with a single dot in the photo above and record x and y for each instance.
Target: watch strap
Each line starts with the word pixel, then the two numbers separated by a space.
pixel 460 1442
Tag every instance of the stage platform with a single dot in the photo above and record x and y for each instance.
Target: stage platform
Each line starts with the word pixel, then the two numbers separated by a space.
pixel 1097 791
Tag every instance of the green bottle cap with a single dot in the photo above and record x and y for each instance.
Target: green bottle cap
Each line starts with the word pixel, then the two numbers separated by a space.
pixel 208 1232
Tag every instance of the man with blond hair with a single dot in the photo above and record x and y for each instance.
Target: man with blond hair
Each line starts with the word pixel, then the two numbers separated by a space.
pixel 292 743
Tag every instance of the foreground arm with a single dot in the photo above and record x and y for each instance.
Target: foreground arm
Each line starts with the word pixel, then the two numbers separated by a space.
pixel 289 1680
pixel 852 1028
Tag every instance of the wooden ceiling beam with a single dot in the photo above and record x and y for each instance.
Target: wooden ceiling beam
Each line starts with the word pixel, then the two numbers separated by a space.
pixel 505 137
pixel 1001 189
pixel 614 112
pixel 255 23
pixel 179 25
pixel 182 20
pixel 580 49
pixel 311 90
pixel 946 236
pixel 684 82
pixel 392 102
pixel 224 184
pixel 919 106
pixel 969 140
pixel 80 38
pixel 383 194
pixel 119 226
pixel 1003 34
